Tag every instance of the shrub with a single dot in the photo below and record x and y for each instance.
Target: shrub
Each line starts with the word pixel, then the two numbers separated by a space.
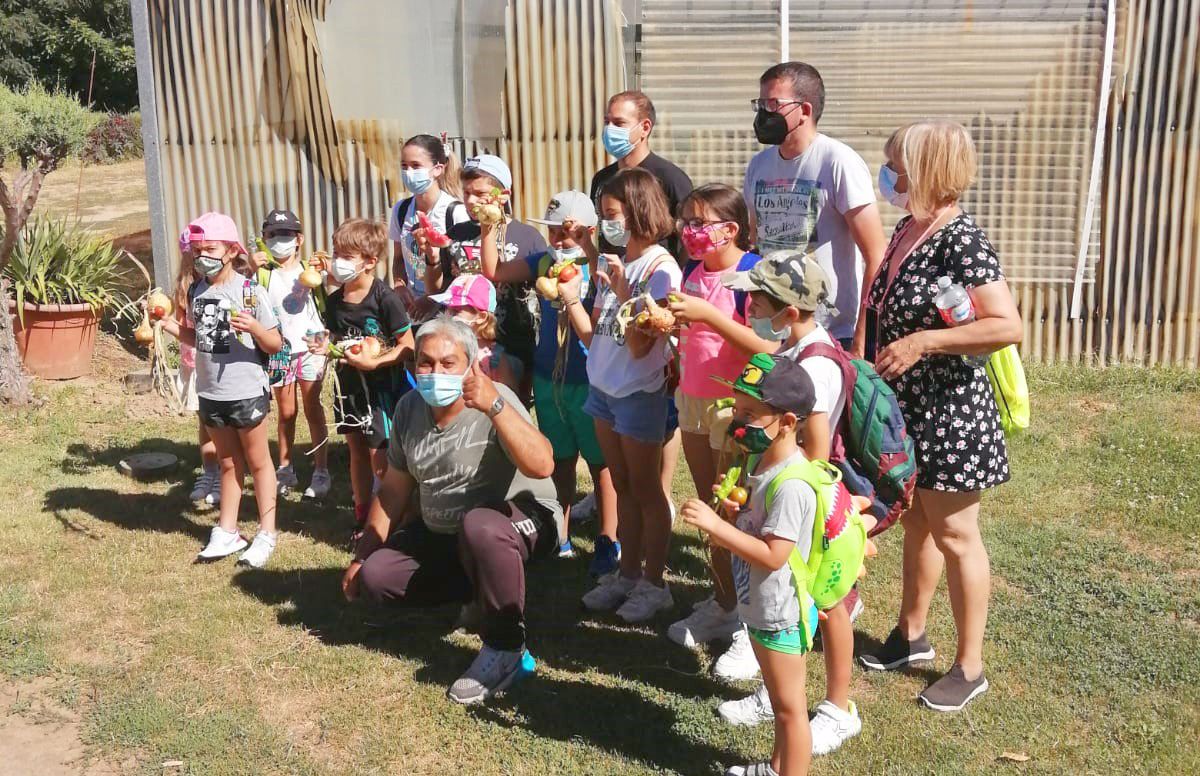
pixel 116 138
pixel 41 128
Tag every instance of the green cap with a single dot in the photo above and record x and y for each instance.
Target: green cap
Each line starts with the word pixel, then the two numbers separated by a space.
pixel 778 382
pixel 796 279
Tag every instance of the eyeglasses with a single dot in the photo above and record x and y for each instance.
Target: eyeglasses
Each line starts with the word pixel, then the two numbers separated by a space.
pixel 772 105
pixel 696 223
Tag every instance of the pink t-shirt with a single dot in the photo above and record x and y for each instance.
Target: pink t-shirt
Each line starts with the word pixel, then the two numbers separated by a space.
pixel 702 351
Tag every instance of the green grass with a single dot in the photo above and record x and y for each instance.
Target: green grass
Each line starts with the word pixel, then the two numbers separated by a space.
pixel 1093 643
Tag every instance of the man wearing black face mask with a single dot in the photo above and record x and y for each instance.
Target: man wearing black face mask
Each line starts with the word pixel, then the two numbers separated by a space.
pixel 809 192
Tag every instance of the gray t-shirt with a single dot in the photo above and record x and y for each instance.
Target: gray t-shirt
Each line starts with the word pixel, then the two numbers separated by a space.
pixel 461 466
pixel 767 599
pixel 229 364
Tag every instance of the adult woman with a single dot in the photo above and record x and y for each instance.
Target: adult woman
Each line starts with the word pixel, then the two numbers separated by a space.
pixel 947 402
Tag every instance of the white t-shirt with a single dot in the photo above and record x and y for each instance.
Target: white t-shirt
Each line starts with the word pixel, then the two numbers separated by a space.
pixel 825 374
pixel 800 201
pixel 292 302
pixel 400 227
pixel 611 367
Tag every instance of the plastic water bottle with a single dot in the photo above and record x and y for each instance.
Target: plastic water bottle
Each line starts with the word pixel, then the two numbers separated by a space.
pixel 954 305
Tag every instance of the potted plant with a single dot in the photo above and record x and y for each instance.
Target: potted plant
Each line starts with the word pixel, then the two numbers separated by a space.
pixel 61 278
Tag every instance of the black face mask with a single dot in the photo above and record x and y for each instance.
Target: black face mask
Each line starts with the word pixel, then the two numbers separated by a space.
pixel 770 128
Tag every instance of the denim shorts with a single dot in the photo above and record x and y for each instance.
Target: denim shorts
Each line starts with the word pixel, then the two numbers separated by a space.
pixel 641 415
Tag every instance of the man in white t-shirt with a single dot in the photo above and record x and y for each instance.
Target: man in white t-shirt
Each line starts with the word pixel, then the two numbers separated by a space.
pixel 811 192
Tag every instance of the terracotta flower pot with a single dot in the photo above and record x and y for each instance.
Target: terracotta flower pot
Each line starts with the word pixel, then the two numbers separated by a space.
pixel 56 340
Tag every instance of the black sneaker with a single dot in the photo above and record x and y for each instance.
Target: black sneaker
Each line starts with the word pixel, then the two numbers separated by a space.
pixel 953 691
pixel 896 652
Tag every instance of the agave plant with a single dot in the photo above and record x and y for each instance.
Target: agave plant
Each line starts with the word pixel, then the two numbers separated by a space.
pixel 58 262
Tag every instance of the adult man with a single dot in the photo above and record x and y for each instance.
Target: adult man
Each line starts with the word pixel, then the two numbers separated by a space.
pixel 487 506
pixel 810 192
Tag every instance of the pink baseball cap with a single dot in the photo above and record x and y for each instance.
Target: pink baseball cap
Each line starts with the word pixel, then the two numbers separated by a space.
pixel 213 226
pixel 469 291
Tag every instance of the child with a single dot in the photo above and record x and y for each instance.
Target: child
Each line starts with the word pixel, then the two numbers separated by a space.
pixel 230 323
pixel 772 397
pixel 472 300
pixel 207 489
pixel 716 233
pixel 560 380
pixel 626 370
pixel 430 173
pixel 785 291
pixel 515 241
pixel 296 307
pixel 369 385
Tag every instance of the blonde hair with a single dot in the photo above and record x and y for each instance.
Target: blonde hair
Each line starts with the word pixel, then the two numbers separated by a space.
pixel 939 159
pixel 485 326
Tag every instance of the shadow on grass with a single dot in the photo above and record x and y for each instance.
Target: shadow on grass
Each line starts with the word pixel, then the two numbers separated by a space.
pixel 865 644
pixel 560 709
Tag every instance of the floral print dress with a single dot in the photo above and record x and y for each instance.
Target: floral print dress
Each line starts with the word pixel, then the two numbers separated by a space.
pixel 947 403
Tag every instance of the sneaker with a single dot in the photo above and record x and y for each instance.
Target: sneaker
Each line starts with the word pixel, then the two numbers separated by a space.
pixel 606 558
pixel 952 691
pixel 645 601
pixel 470 618
pixel 609 593
pixel 566 549
pixel 260 550
pixel 754 769
pixel 584 510
pixel 319 487
pixel 896 652
pixel 707 622
pixel 285 480
pixel 832 727
pixel 204 484
pixel 853 603
pixel 754 709
pixel 221 544
pixel 213 497
pixel 492 671
pixel 738 663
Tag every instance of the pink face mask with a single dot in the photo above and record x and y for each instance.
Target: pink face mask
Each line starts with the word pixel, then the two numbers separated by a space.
pixel 698 240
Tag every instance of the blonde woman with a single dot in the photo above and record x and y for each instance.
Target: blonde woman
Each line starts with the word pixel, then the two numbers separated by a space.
pixel 946 399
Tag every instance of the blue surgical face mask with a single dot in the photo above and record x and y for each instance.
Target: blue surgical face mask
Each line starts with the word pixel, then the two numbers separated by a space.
pixel 440 389
pixel 208 265
pixel 616 141
pixel 887 187
pixel 417 180
pixel 566 254
pixel 764 328
pixel 615 232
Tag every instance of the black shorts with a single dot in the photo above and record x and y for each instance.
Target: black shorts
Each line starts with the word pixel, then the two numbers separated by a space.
pixel 355 413
pixel 239 413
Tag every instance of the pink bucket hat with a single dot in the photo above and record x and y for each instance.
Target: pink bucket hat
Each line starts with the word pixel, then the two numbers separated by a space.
pixel 469 291
pixel 212 226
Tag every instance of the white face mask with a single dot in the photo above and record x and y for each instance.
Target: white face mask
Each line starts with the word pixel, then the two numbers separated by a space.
pixel 343 270
pixel 281 247
pixel 615 232
pixel 566 254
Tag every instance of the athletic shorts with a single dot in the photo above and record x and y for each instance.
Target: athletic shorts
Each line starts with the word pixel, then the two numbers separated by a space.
pixel 309 367
pixel 560 417
pixel 355 413
pixel 789 641
pixel 698 416
pixel 641 415
pixel 239 413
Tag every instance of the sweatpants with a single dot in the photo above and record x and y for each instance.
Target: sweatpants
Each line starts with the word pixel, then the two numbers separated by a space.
pixel 484 562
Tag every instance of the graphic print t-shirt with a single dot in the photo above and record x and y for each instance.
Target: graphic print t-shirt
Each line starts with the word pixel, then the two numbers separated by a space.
pixel 229 364
pixel 293 304
pixel 401 225
pixel 800 203
pixel 380 314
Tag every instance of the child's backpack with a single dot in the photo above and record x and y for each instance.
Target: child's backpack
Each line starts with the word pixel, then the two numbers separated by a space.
pixel 871 446
pixel 740 298
pixel 839 539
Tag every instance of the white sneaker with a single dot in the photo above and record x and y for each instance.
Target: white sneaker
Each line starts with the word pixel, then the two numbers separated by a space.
pixel 584 510
pixel 213 497
pixel 645 601
pixel 493 670
pixel 753 769
pixel 832 727
pixel 609 593
pixel 205 483
pixel 738 663
pixel 319 487
pixel 285 479
pixel 707 622
pixel 221 544
pixel 260 550
pixel 754 709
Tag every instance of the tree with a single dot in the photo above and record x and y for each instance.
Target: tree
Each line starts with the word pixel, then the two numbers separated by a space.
pixel 39 129
pixel 51 42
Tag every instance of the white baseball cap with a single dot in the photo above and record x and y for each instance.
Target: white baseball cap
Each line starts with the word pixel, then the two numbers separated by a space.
pixel 569 206
pixel 493 166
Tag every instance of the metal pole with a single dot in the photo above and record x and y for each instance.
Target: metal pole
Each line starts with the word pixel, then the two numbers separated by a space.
pixel 148 102
pixel 785 53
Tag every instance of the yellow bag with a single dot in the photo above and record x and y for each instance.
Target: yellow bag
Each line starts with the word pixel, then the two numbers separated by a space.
pixel 1007 377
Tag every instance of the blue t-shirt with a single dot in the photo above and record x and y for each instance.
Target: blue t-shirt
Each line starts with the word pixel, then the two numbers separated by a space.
pixel 546 356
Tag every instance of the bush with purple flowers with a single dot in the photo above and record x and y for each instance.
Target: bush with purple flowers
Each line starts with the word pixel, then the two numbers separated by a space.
pixel 117 137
